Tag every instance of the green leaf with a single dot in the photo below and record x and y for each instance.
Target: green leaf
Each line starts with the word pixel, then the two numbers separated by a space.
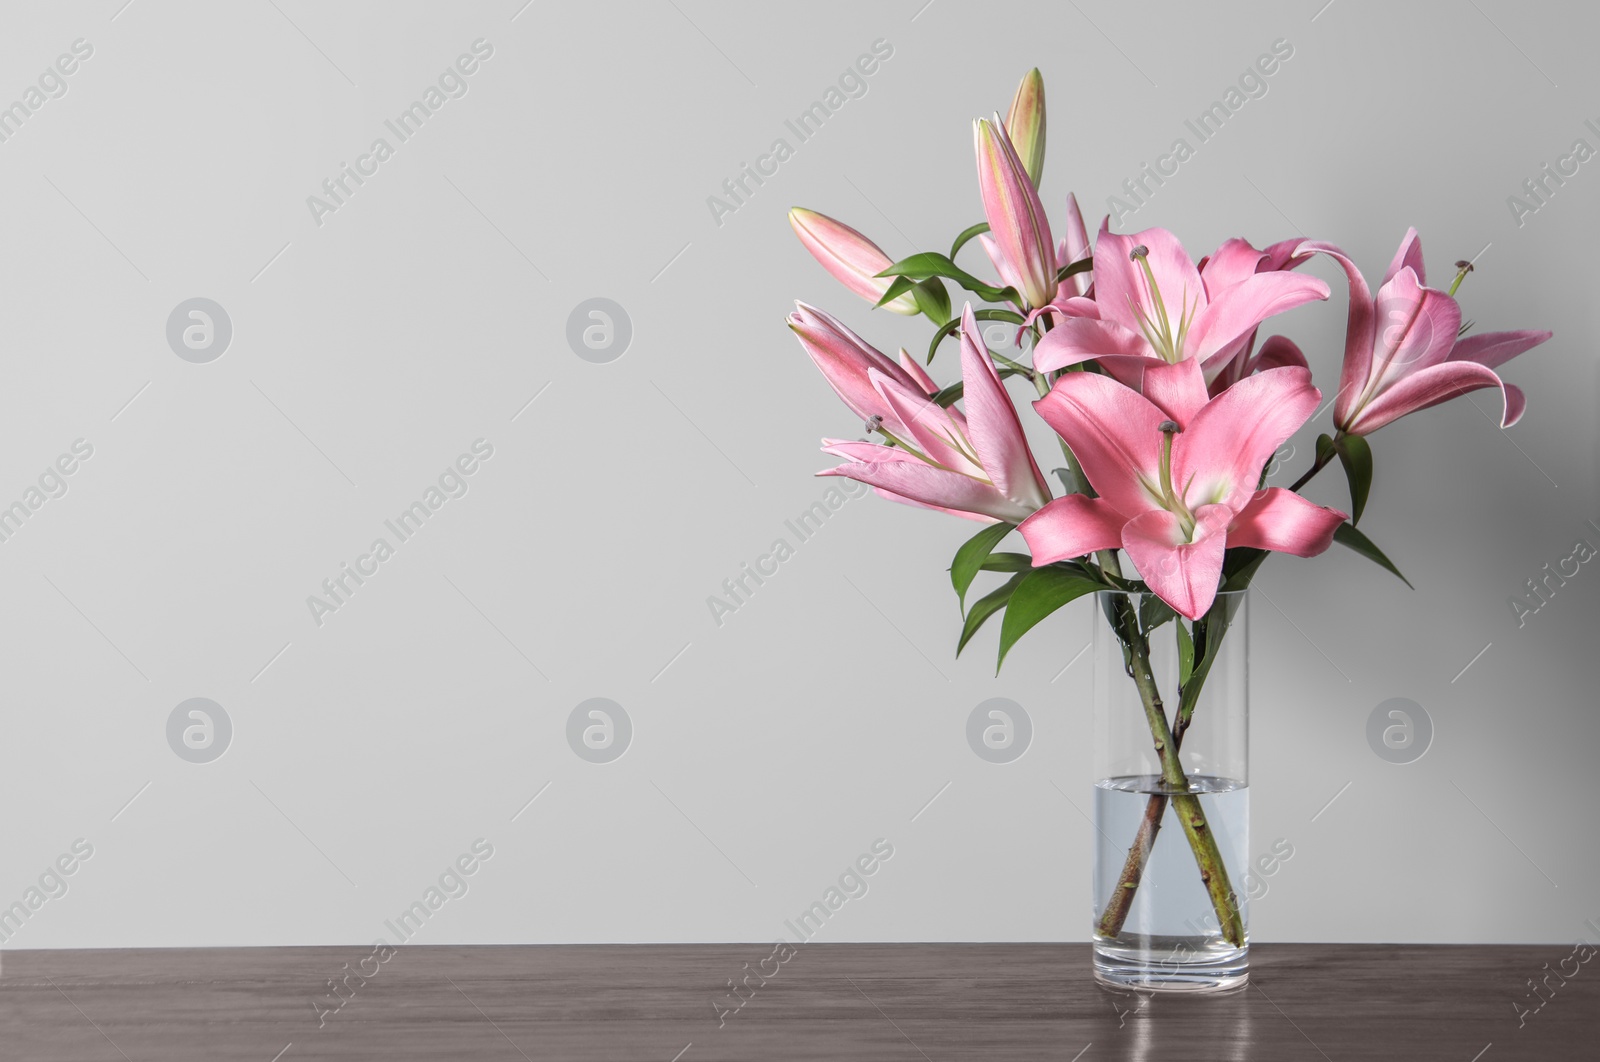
pixel 1208 632
pixel 970 557
pixel 1185 656
pixel 1041 592
pixel 1153 612
pixel 1239 567
pixel 932 264
pixel 952 326
pixel 1356 456
pixel 1347 535
pixel 984 607
pixel 1007 562
pixel 932 300
pixel 1067 480
pixel 967 234
pixel 1082 265
pixel 900 286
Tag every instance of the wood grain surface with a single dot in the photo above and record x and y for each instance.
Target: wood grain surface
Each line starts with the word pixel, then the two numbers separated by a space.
pixel 930 1002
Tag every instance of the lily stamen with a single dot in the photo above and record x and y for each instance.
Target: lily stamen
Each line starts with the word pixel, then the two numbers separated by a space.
pixel 1174 503
pixel 1158 330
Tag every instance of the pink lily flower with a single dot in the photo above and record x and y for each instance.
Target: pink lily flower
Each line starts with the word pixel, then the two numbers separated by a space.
pixel 1177 473
pixel 1402 352
pixel 1152 304
pixel 848 363
pixel 1234 261
pixel 854 260
pixel 1018 240
pixel 976 465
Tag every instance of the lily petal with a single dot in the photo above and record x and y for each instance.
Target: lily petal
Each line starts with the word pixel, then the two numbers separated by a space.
pixel 1114 431
pixel 1416 326
pixel 1180 390
pixel 1182 570
pixel 1494 349
pixel 992 423
pixel 1220 455
pixel 1430 386
pixel 1237 310
pixel 1080 339
pixel 1231 263
pixel 1121 288
pixel 1408 256
pixel 1358 334
pixel 846 360
pixel 921 482
pixel 1282 520
pixel 917 373
pixel 1074 247
pixel 1072 527
pixel 1277 352
pixel 938 432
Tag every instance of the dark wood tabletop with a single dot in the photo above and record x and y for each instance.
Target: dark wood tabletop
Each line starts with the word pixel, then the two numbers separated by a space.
pixel 931 1002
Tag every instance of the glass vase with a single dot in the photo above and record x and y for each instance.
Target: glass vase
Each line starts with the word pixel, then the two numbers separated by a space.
pixel 1172 797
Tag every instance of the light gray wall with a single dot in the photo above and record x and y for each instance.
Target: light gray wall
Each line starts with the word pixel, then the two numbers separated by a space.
pixel 767 753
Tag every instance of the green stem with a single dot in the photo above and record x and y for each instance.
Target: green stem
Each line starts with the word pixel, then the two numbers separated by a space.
pixel 1191 816
pixel 1015 366
pixel 1323 459
pixel 1120 905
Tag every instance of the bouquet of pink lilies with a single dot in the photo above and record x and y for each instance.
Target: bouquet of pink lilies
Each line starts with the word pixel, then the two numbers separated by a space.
pixel 1146 365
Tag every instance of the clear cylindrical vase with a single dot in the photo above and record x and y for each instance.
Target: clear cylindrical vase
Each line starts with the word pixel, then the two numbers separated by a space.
pixel 1171 797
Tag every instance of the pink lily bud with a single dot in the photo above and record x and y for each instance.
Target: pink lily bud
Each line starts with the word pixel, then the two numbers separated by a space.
pixel 1025 124
pixel 1019 232
pixel 854 260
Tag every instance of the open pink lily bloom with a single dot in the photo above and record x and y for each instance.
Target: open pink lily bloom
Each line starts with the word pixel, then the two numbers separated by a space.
pixel 1402 352
pixel 1177 475
pixel 847 362
pixel 1152 304
pixel 975 465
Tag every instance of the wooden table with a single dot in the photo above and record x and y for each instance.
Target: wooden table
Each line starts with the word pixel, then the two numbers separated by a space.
pixel 911 1002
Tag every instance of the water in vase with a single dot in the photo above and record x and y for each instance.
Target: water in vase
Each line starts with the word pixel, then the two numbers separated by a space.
pixel 1171 924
